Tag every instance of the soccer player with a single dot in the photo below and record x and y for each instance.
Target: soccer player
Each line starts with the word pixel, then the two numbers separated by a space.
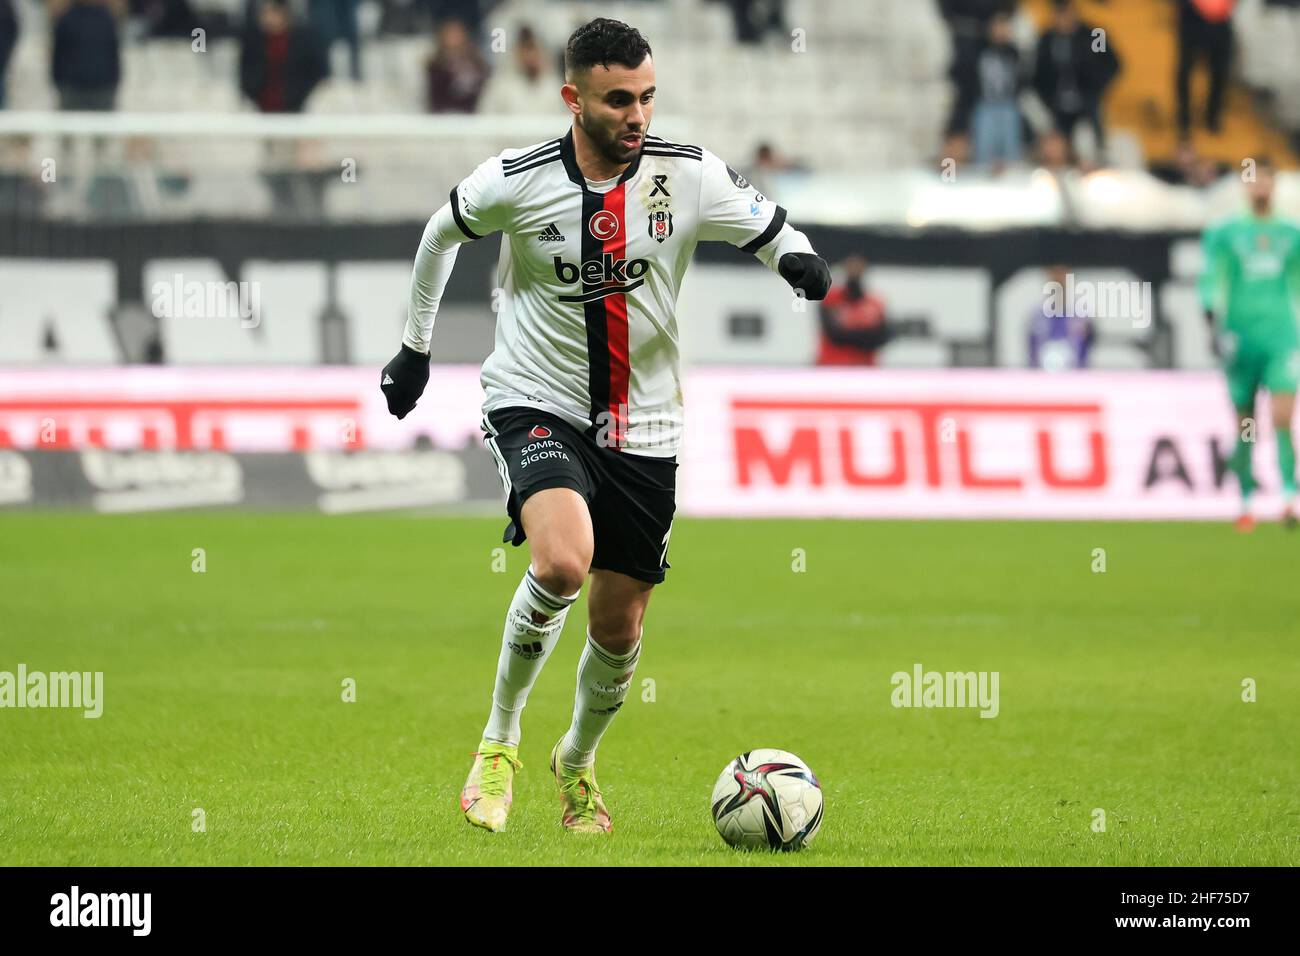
pixel 583 409
pixel 1252 266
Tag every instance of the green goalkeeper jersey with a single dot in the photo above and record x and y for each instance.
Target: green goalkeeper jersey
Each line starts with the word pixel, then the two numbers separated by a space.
pixel 1252 271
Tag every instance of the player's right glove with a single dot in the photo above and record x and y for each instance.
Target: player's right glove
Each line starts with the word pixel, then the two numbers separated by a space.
pixel 403 379
pixel 1222 343
pixel 806 272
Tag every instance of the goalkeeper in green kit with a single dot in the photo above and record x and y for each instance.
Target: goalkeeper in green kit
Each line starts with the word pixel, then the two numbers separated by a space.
pixel 1252 271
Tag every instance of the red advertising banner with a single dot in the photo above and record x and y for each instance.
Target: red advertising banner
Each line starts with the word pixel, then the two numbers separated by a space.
pixel 964 443
pixel 758 442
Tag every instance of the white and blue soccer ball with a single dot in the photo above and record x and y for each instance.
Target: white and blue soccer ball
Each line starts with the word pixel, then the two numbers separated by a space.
pixel 768 799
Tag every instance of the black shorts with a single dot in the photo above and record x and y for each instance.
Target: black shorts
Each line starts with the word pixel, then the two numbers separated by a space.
pixel 631 498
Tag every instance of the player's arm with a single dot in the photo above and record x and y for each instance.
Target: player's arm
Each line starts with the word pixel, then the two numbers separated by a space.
pixel 733 210
pixel 1211 283
pixel 476 208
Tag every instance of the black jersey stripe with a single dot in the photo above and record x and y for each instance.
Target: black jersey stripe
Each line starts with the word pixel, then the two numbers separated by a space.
pixel 516 160
pixel 660 141
pixel 768 234
pixel 460 220
pixel 656 148
pixel 524 161
pixel 544 161
pixel 649 151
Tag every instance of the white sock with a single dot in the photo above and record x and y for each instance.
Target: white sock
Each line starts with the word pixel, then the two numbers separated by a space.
pixel 532 630
pixel 603 681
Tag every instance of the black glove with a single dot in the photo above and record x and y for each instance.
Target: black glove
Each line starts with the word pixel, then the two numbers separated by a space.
pixel 403 380
pixel 806 272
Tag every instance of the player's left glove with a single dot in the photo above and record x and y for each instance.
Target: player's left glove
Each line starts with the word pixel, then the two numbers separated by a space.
pixel 403 379
pixel 806 272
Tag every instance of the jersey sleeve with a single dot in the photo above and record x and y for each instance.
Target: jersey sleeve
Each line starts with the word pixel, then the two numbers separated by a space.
pixel 478 202
pixel 733 210
pixel 476 207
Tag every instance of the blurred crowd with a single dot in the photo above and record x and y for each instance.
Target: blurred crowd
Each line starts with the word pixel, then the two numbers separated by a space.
pixel 1018 95
pixel 285 45
pixel 1066 68
pixel 1024 94
pixel 1027 97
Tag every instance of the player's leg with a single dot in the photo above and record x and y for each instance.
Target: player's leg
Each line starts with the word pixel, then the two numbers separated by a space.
pixel 616 607
pixel 1283 409
pixel 558 528
pixel 546 487
pixel 1280 380
pixel 632 516
pixel 1243 384
pixel 1240 464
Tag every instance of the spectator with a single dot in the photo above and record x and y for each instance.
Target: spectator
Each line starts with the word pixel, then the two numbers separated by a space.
pixel 968 23
pixel 336 20
pixel 754 19
pixel 8 37
pixel 1054 152
pixel 955 152
pixel 996 128
pixel 84 62
pixel 853 323
pixel 472 13
pixel 1055 157
pixel 280 62
pixel 457 71
pixel 530 85
pixel 1070 76
pixel 1060 333
pixel 768 164
pixel 768 160
pixel 1204 31
pixel 165 18
pixel 1188 168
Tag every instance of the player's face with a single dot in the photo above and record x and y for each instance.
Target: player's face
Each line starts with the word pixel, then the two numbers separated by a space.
pixel 616 106
pixel 1261 190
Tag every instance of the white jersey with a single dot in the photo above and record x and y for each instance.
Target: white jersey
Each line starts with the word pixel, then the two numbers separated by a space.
pixel 589 274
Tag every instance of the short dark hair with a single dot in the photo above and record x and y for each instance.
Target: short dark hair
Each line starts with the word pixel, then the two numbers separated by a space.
pixel 604 41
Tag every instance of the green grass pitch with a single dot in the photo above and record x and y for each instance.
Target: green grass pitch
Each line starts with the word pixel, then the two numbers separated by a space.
pixel 1119 691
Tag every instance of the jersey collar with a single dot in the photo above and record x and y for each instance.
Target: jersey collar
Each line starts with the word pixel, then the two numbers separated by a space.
pixel 570 159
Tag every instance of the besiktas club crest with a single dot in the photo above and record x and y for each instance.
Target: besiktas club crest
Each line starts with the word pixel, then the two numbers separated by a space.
pixel 661 225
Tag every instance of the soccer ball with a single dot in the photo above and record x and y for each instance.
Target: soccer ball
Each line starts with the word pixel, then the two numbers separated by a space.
pixel 767 799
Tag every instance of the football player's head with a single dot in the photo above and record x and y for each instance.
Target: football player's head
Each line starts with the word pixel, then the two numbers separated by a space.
pixel 273 16
pixel 609 84
pixel 1259 186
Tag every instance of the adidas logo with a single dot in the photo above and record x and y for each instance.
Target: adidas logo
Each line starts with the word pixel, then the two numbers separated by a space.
pixel 550 234
pixel 388 379
pixel 529 652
